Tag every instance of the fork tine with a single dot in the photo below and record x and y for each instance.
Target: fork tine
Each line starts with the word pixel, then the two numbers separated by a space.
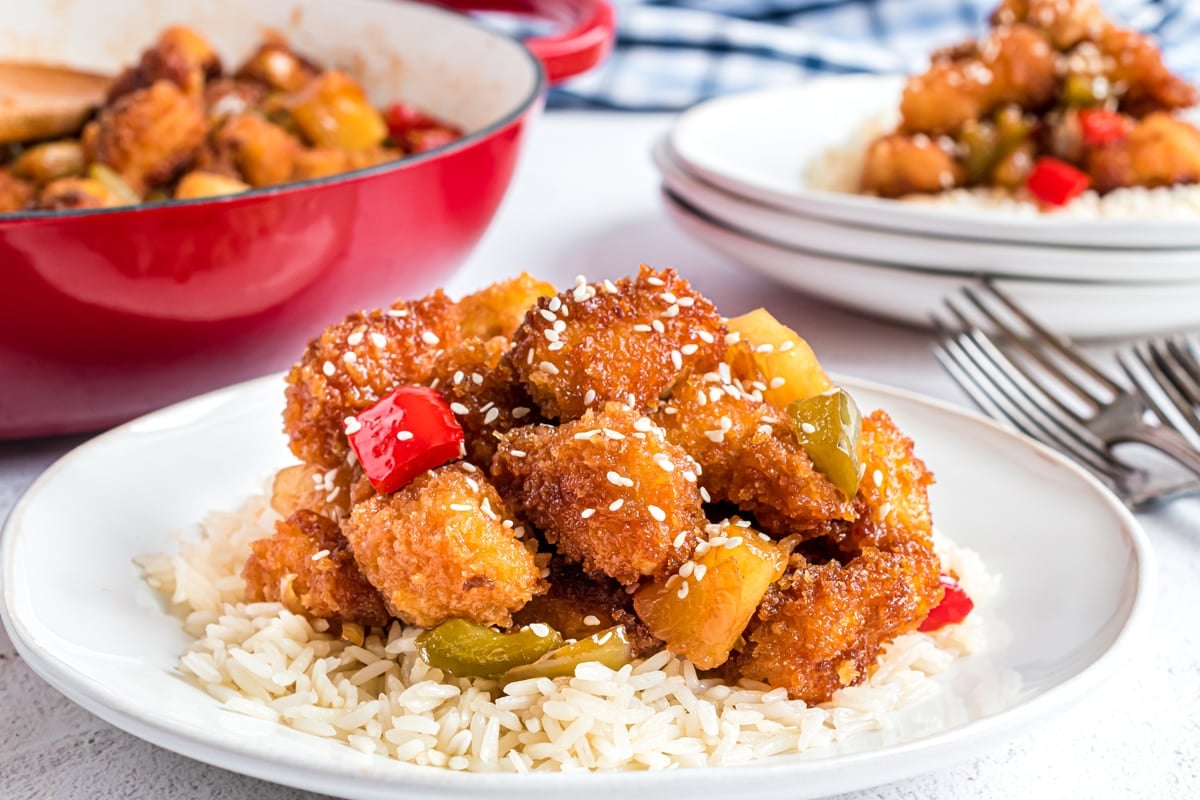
pixel 1164 377
pixel 996 394
pixel 1049 338
pixel 1186 370
pixel 1185 351
pixel 1045 339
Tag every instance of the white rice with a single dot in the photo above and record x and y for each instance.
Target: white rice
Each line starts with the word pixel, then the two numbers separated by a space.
pixel 261 660
pixel 839 170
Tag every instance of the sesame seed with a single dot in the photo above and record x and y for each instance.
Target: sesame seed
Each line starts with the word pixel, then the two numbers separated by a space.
pixel 670 410
pixel 317 556
pixel 808 427
pixel 486 507
pixel 715 394
pixel 459 408
pixel 589 397
pixel 554 346
pixel 683 591
pixel 398 313
pixel 653 281
pixel 433 384
pixel 559 326
pixel 657 513
pixel 615 505
pixel 680 539
pixel 668 297
pixel 704 495
pixel 547 315
pixel 508 523
pixel 643 424
pixel 519 412
pixel 689 476
pixel 686 302
pixel 642 327
pixel 610 287
pixel 677 359
pixel 765 348
pixel 787 345
pixel 884 510
pixel 716 541
pixel 734 541
pixel 615 478
pixel 459 507
pixel 672 311
pixel 733 338
pixel 429 337
pixel 723 370
pixel 765 430
pixel 469 467
pixel 379 340
pixel 517 453
pixel 355 338
pixel 703 547
pixel 687 569
pixel 689 349
pixel 743 523
pixel 476 379
pixel 587 434
pixel 474 484
pixel 548 367
pixel 715 435
pixel 658 326
pixel 551 335
pixel 700 570
pixel 877 476
pixel 492 415
pixel 404 436
pixel 352 425
pixel 610 433
pixel 487 405
pixel 349 357
pixel 591 620
pixel 555 303
pixel 726 423
pixel 458 377
pixel 328 368
pixel 587 513
pixel 529 357
pixel 776 382
pixel 540 629
pixel 705 336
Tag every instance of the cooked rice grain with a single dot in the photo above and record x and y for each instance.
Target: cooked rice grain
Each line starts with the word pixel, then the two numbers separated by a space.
pixel 261 660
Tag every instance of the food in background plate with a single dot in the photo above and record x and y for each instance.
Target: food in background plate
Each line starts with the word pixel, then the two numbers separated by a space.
pixel 176 125
pixel 1053 101
pixel 603 528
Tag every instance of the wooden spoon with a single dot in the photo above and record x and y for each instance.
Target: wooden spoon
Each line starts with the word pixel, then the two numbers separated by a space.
pixel 39 101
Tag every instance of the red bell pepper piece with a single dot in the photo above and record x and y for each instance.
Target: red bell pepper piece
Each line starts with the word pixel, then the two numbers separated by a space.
pixel 420 141
pixel 1101 126
pixel 402 118
pixel 952 610
pixel 402 435
pixel 1056 182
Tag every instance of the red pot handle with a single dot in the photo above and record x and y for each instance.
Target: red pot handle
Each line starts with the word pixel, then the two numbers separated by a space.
pixel 588 35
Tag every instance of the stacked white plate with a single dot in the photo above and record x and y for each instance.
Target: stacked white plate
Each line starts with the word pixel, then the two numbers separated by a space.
pixel 738 173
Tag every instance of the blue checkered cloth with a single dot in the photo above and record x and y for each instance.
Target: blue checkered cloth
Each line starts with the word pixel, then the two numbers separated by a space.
pixel 673 53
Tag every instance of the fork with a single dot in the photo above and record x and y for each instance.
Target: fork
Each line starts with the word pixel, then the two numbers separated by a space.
pixel 1049 391
pixel 1167 374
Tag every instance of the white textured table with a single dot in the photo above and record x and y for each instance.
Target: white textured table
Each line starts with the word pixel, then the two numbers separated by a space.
pixel 586 201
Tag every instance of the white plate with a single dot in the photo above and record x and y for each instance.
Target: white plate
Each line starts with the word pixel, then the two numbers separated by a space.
pixel 759 145
pixel 1077 569
pixel 843 240
pixel 912 296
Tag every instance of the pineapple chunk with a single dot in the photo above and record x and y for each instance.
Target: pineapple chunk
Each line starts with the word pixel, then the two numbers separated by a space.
pixel 789 358
pixel 704 620
pixel 207 184
pixel 332 111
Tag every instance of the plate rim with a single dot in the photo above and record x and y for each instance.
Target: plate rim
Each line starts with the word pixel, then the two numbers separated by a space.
pixel 935 751
pixel 828 205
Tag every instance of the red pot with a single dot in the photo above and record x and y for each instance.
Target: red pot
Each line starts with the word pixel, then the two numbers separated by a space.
pixel 105 314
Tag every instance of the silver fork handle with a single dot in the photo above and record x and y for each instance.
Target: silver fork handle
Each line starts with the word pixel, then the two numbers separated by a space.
pixel 1167 442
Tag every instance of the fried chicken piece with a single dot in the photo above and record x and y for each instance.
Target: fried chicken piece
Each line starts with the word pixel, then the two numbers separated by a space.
pixel 356 362
pixel 255 150
pixel 15 194
pixel 181 56
pixel 499 309
pixel 607 490
pixel 207 184
pixel 228 96
pixel 311 488
pixel 629 342
pixel 823 625
pixel 1159 151
pixel 439 549
pixel 50 161
pixel 148 136
pixel 898 164
pixel 308 567
pixel 72 193
pixel 320 162
pixel 1014 64
pixel 276 65
pixel 479 383
pixel 751 457
pixel 578 605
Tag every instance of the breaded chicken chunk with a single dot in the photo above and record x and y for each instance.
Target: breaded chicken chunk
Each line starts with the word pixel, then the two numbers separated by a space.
pixel 226 96
pixel 751 458
pixel 608 490
pixel 1159 151
pixel 499 309
pixel 578 605
pixel 822 627
pixel 148 136
pixel 356 362
pixel 898 164
pixel 259 152
pixel 276 65
pixel 308 567
pixel 630 341
pixel 309 487
pixel 15 194
pixel 68 193
pixel 479 383
pixel 439 549
pixel 181 56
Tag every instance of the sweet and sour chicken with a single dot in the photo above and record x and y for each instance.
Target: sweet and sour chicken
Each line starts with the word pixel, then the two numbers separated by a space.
pixel 1054 99
pixel 616 464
